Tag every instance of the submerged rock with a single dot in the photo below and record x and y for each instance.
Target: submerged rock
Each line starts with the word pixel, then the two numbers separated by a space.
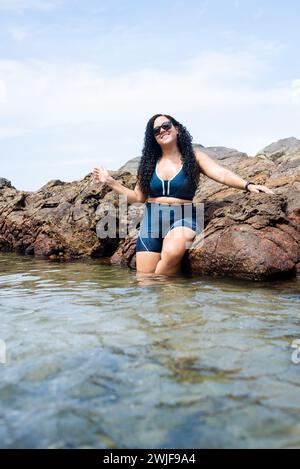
pixel 246 235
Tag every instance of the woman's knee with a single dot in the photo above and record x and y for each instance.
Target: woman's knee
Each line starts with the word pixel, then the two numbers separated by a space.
pixel 174 247
pixel 171 252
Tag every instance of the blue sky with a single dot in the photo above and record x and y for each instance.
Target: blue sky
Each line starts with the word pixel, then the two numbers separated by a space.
pixel 80 79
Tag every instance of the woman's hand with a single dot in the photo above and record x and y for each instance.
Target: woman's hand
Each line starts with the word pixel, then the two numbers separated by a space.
pixel 101 174
pixel 256 188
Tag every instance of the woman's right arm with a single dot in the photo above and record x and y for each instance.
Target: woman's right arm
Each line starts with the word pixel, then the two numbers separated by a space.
pixel 133 196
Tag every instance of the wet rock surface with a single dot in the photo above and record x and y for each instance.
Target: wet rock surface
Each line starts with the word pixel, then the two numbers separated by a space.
pixel 246 235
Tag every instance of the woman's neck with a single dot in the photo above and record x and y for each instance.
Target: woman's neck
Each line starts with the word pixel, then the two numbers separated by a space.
pixel 172 154
pixel 171 151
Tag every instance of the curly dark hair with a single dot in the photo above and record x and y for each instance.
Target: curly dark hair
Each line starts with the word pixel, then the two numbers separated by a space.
pixel 152 152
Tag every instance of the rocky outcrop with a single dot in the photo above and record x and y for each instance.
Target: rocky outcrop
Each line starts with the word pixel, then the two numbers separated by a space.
pixel 131 166
pixel 251 236
pixel 58 221
pixel 285 150
pixel 4 183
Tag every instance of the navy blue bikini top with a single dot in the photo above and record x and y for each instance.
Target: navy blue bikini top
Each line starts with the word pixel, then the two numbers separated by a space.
pixel 178 186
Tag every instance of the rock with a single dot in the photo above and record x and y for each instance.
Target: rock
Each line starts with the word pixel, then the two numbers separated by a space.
pixel 283 150
pixel 131 166
pixel 52 183
pixel 58 221
pixel 251 236
pixel 222 153
pixel 4 183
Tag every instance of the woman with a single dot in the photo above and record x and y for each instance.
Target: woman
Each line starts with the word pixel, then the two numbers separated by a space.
pixel 168 176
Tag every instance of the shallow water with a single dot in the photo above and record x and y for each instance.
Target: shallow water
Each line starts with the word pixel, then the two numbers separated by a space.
pixel 96 357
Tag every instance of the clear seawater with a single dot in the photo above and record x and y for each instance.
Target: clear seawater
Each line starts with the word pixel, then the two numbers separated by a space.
pixel 99 358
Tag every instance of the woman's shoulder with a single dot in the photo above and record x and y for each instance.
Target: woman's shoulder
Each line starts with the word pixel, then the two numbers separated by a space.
pixel 199 153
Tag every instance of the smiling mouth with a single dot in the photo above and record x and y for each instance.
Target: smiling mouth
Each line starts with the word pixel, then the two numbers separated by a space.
pixel 164 135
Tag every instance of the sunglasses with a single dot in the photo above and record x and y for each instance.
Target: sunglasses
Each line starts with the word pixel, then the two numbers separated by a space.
pixel 165 126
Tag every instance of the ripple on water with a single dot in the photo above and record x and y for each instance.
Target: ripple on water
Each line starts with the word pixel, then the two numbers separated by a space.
pixel 97 357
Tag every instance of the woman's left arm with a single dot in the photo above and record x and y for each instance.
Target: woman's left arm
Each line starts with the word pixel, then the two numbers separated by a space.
pixel 223 175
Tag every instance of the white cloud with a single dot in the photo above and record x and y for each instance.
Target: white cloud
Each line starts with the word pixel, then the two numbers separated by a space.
pixel 42 94
pixel 10 131
pixel 69 116
pixel 19 6
pixel 2 92
pixel 259 14
pixel 296 91
pixel 71 162
pixel 18 33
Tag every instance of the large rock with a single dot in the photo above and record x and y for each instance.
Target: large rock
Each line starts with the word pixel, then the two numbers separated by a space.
pixel 227 155
pixel 246 235
pixel 58 221
pixel 287 149
pixel 4 183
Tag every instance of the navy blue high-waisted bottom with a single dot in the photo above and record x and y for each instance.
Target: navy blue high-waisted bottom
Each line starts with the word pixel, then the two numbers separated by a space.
pixel 159 219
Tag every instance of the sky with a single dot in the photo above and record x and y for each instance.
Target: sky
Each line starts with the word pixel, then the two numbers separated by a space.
pixel 79 79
